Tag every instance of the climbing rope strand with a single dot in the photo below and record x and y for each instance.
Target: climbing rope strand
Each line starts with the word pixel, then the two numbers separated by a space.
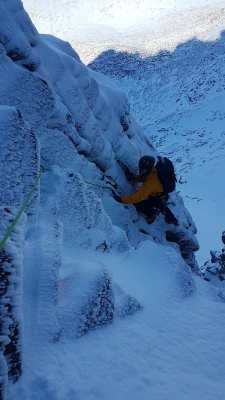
pixel 102 187
pixel 2 243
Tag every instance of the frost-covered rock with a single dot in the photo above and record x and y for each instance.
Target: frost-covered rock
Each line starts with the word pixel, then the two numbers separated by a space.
pixel 3 376
pixel 83 123
pixel 214 269
pixel 19 158
pixel 11 317
pixel 85 222
pixel 125 304
pixel 18 34
pixel 86 299
pixel 89 299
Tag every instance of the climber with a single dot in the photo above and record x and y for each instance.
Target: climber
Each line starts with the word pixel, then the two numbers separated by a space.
pixel 149 199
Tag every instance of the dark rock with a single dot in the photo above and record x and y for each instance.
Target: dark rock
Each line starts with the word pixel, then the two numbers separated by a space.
pixel 124 123
pixel 11 295
pixel 16 53
pixel 187 243
pixel 223 237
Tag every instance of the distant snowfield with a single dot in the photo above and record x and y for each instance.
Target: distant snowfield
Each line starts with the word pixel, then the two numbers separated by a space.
pixel 172 349
pixel 127 25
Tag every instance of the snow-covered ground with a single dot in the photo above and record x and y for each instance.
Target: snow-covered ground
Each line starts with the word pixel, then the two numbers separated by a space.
pixel 86 260
pixel 171 349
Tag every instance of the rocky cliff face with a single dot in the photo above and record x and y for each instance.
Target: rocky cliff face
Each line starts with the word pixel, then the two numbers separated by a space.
pixel 58 115
pixel 213 270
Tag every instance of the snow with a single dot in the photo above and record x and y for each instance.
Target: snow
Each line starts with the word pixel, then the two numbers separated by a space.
pixel 127 25
pixel 84 263
pixel 172 348
pixel 124 26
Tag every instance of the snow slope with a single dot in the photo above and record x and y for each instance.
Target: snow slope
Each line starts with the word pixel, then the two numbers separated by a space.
pixel 172 348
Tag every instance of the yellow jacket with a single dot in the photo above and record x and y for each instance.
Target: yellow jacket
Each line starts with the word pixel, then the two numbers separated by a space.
pixel 151 187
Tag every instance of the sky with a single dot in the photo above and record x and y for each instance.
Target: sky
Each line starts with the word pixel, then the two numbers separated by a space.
pixel 78 256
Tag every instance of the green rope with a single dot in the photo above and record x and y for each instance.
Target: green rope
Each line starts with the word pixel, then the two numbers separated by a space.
pixel 102 187
pixel 2 243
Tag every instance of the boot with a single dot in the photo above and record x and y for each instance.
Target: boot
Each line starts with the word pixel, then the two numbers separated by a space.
pixel 174 222
pixel 151 219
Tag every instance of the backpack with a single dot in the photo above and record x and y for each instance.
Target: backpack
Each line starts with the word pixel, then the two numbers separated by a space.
pixel 166 174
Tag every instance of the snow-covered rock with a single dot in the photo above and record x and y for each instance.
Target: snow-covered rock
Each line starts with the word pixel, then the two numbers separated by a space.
pixel 18 35
pixel 82 122
pixel 11 295
pixel 19 157
pixel 75 124
pixel 88 299
pixel 213 270
pixel 85 299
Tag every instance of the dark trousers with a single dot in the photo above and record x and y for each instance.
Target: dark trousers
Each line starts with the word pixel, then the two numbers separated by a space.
pixel 152 205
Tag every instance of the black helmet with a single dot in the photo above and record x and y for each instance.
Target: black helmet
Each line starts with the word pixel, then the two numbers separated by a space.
pixel 146 162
